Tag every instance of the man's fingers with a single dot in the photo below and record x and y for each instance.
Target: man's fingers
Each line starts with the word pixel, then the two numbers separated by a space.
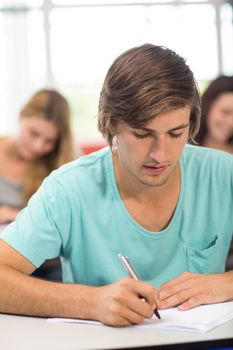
pixel 141 306
pixel 142 289
pixel 127 301
pixel 123 315
pixel 186 292
pixel 189 304
pixel 179 279
pixel 173 289
pixel 141 299
pixel 176 299
pixel 132 317
pixel 116 320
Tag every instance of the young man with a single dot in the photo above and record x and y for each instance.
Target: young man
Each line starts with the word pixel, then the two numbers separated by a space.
pixel 165 205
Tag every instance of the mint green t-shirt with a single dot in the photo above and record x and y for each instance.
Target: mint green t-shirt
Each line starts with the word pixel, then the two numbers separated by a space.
pixel 78 214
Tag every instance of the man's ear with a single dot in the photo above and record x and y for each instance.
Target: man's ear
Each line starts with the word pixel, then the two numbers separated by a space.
pixel 115 140
pixel 114 143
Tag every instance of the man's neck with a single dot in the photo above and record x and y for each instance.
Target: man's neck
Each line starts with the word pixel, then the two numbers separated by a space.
pixel 142 202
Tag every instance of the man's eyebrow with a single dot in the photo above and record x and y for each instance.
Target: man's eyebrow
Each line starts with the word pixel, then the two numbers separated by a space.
pixel 182 126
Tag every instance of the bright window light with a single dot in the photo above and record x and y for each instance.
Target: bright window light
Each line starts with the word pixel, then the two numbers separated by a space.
pixel 70 44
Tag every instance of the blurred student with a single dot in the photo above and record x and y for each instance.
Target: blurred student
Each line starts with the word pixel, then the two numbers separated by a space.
pixel 43 143
pixel 216 130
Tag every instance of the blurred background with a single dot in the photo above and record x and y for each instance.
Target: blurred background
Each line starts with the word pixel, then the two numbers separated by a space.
pixel 69 45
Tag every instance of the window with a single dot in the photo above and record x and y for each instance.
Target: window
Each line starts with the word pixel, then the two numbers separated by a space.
pixel 227 38
pixel 69 45
pixel 22 61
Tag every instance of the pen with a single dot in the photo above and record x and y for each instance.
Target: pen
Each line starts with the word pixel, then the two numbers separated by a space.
pixel 132 273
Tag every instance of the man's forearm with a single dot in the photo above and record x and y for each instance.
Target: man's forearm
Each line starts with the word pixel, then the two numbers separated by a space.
pixel 116 304
pixel 25 295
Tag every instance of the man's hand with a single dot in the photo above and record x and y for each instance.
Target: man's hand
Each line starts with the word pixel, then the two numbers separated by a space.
pixel 7 214
pixel 125 302
pixel 190 290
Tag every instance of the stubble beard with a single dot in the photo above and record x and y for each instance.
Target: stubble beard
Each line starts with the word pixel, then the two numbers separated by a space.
pixel 152 181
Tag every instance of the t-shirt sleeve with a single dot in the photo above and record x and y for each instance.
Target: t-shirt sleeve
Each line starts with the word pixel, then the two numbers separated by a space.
pixel 41 230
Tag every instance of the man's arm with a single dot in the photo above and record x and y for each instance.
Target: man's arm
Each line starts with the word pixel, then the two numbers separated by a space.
pixel 192 289
pixel 116 304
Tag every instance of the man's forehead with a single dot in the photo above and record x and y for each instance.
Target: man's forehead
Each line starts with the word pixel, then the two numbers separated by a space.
pixel 163 122
pixel 172 119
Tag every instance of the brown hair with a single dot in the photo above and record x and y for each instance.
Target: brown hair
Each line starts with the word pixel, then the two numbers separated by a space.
pixel 52 106
pixel 142 83
pixel 217 87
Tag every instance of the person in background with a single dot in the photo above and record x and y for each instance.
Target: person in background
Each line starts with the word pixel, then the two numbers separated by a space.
pixel 43 143
pixel 216 129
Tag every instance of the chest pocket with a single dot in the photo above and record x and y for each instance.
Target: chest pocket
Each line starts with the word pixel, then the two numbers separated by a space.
pixel 208 260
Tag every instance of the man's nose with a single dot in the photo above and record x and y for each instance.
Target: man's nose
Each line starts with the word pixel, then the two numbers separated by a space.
pixel 158 149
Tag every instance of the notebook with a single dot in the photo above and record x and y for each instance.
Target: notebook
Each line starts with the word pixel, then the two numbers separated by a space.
pixel 200 319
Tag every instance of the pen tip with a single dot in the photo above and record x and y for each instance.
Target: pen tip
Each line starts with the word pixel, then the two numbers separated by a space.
pixel 157 314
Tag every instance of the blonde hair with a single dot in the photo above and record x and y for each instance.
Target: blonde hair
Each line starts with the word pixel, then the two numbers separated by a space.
pixel 51 106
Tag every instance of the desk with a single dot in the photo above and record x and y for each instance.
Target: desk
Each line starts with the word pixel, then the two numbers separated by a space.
pixel 30 333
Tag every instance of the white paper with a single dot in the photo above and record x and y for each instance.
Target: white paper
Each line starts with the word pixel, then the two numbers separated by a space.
pixel 200 319
pixel 72 320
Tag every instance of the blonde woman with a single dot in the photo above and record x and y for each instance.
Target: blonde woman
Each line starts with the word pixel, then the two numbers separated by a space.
pixel 44 142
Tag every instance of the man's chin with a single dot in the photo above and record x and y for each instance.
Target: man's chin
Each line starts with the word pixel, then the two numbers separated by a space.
pixel 154 182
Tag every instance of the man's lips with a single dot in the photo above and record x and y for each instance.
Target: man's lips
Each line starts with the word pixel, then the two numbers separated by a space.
pixel 155 169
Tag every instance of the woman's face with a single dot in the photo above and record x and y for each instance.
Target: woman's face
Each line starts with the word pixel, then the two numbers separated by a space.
pixel 37 137
pixel 220 118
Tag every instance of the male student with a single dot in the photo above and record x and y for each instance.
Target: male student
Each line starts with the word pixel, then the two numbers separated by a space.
pixel 165 205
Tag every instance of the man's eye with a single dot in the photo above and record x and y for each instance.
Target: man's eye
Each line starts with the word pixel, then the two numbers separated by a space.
pixel 141 136
pixel 173 135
